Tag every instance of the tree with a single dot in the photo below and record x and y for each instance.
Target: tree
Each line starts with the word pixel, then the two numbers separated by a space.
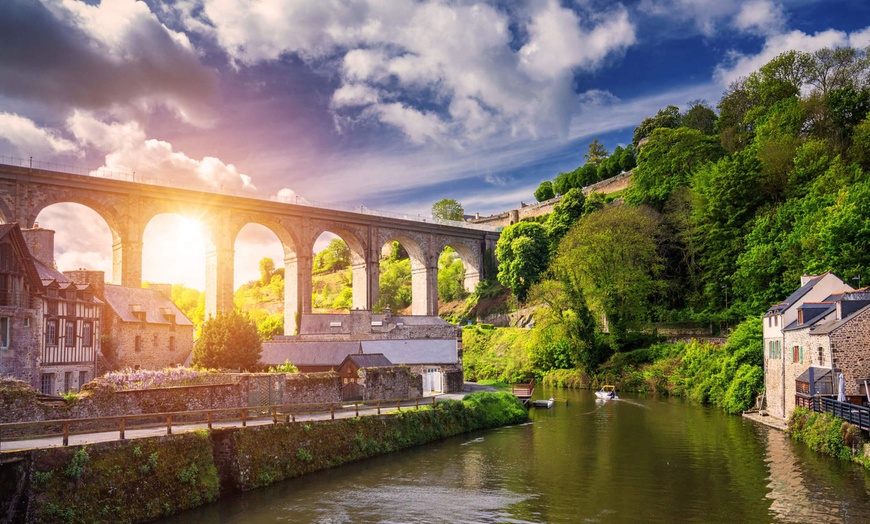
pixel 544 191
pixel 448 209
pixel 451 276
pixel 267 267
pixel 597 153
pixel 667 162
pixel 335 257
pixel 565 214
pixel 395 284
pixel 523 252
pixel 229 341
pixel 612 257
pixel 668 117
pixel 700 116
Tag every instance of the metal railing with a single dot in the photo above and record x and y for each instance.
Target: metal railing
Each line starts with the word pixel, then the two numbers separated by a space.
pixel 30 163
pixel 851 413
pixel 284 413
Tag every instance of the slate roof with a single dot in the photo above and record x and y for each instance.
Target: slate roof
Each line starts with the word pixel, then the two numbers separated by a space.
pixel 308 353
pixel 155 305
pixel 368 360
pixel 800 292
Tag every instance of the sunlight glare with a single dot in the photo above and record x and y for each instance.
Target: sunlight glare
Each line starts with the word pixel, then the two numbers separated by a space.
pixel 173 251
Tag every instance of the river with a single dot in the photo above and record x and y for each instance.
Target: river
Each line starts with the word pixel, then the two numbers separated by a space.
pixel 632 460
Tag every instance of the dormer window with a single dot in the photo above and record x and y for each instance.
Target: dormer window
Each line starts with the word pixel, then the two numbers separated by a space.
pixel 138 312
pixel 800 316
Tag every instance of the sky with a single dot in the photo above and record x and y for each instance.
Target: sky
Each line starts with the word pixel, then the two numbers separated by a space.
pixel 390 104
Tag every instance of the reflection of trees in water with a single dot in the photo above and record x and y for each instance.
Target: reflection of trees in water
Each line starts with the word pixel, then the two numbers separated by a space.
pixel 806 486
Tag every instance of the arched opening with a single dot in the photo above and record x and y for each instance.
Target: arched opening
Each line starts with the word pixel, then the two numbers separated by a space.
pixel 452 255
pixel 405 280
pixel 259 278
pixel 82 239
pixel 332 274
pixel 451 281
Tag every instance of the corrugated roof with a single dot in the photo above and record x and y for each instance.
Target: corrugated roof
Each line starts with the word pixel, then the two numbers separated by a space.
pixel 122 299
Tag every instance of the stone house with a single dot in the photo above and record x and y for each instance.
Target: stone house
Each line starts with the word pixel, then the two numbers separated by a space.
pixel 428 345
pixel 812 336
pixel 146 329
pixel 20 308
pixel 49 325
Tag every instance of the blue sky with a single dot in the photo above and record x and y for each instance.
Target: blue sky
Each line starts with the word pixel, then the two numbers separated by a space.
pixel 388 104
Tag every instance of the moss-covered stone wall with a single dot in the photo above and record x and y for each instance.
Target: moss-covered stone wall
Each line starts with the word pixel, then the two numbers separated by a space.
pixel 144 479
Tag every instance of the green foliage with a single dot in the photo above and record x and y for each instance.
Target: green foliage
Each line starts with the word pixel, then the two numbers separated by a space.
pixel 823 432
pixel 335 257
pixel 667 118
pixel 667 162
pixel 612 257
pixel 451 276
pixel 395 284
pixel 523 252
pixel 569 209
pixel 76 467
pixel 596 154
pixel 448 209
pixel 267 267
pixel 545 191
pixel 191 302
pixel 286 367
pixel 229 340
pixel 497 354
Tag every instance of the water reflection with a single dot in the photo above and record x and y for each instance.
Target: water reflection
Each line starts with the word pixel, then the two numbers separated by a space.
pixel 809 487
pixel 638 459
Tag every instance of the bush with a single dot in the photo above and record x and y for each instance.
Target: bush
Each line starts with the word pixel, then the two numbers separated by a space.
pixel 823 432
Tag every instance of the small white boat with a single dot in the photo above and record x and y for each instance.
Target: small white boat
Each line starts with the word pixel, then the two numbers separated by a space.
pixel 606 393
pixel 548 403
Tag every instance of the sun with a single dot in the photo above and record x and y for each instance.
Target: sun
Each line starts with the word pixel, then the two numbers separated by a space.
pixel 173 251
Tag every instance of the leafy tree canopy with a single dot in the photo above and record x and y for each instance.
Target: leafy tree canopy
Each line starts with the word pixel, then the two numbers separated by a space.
pixel 448 209
pixel 523 252
pixel 229 341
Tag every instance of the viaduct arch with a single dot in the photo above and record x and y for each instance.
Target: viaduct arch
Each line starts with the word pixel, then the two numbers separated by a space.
pixel 128 206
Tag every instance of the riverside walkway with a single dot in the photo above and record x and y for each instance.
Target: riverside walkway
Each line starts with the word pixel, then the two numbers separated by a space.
pixel 348 410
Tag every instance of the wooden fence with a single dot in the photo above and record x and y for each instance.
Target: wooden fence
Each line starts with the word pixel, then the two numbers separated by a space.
pixel 279 413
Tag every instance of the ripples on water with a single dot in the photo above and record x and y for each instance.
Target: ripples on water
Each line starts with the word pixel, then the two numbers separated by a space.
pixel 637 459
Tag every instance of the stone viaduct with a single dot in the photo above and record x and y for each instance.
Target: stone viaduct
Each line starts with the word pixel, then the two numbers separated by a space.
pixel 128 206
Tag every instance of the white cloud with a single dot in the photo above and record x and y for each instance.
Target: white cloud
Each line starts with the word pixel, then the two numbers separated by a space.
pixel 31 140
pixel 760 17
pixel 860 39
pixel 130 151
pixel 440 72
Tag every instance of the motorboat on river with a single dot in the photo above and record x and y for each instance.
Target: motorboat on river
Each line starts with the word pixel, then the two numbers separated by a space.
pixel 606 393
pixel 544 403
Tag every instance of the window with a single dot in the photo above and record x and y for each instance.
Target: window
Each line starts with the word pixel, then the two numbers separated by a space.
pixel 46 384
pixel 5 332
pixel 171 343
pixel 775 320
pixel 83 378
pixel 779 349
pixel 800 316
pixel 69 334
pixel 67 381
pixel 138 344
pixel 771 349
pixel 798 355
pixel 51 333
pixel 155 342
pixel 821 356
pixel 87 334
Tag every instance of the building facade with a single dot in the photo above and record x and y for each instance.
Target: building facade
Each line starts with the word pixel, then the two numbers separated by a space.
pixel 820 331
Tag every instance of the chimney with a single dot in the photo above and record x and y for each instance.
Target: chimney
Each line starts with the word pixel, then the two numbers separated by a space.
pixel 163 289
pixel 97 280
pixel 40 243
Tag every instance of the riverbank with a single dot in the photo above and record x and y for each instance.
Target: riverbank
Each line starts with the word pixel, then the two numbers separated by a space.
pixel 141 480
